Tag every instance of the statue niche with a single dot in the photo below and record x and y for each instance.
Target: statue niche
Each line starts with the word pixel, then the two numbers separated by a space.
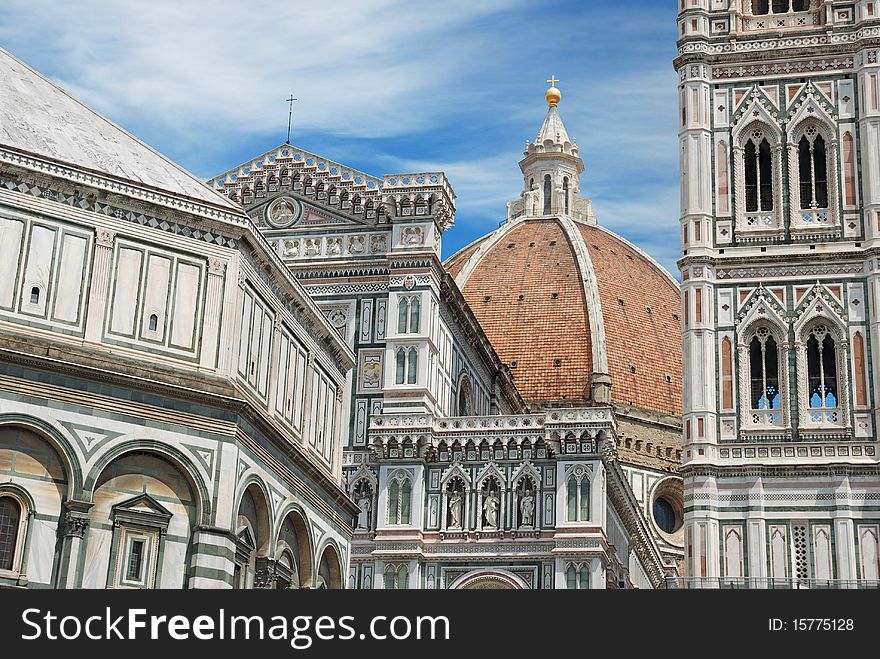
pixel 455 504
pixel 363 496
pixel 491 498
pixel 525 497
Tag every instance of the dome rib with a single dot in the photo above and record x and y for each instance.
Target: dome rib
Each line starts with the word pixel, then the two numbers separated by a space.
pixel 591 295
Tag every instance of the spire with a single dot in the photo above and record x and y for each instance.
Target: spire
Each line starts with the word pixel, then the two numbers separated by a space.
pixel 553 129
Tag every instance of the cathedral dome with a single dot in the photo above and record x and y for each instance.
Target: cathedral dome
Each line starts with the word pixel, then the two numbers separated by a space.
pixel 573 308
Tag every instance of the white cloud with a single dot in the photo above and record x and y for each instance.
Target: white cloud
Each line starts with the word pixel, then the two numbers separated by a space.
pixel 393 85
pixel 200 67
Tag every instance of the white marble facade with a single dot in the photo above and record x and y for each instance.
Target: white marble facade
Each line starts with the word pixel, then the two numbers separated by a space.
pixel 779 222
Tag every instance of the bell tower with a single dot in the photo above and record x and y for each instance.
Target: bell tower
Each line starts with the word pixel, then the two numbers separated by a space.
pixel 778 136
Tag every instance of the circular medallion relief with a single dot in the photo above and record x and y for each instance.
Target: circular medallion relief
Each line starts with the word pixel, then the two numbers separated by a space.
pixel 283 212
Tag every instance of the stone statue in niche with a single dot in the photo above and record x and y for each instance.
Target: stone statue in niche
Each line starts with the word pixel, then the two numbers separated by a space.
pixel 491 504
pixel 363 518
pixel 378 244
pixel 291 248
pixel 334 246
pixel 456 499
pixel 527 509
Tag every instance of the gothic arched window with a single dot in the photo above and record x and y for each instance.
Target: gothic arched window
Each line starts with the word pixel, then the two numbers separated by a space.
pixel 565 192
pixel 571 577
pixel 35 295
pixel 408 315
pixel 812 170
pixel 758 173
pixel 465 397
pixel 401 366
pixel 10 520
pixel 154 322
pixel 585 499
pixel 548 191
pixel 413 366
pixel 584 577
pixel 764 371
pixel 578 498
pixel 405 500
pixel 760 7
pixel 572 499
pixel 402 315
pixel 822 389
pixel 399 501
pixel 390 577
pixel 414 315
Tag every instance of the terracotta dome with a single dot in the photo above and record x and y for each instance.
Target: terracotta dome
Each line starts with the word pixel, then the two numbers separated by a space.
pixel 571 308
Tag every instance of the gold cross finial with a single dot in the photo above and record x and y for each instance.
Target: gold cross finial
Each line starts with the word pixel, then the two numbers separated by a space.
pixel 553 94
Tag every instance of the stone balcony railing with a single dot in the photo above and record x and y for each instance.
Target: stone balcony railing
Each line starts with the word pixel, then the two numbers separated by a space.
pixel 571 425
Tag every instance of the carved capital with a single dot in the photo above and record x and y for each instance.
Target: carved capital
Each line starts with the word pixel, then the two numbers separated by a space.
pixel 105 238
pixel 216 266
pixel 265 574
pixel 75 525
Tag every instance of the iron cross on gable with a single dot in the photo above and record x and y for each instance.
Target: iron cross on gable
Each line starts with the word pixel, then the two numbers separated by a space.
pixel 289 101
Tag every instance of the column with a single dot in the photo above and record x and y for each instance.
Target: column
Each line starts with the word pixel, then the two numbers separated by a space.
pixel 76 522
pixel 101 271
pixel 213 558
pixel 213 312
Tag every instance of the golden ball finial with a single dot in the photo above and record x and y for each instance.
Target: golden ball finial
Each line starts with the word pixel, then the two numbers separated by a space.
pixel 553 95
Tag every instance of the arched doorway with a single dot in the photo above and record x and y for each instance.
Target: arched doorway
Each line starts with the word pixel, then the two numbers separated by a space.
pixel 489 580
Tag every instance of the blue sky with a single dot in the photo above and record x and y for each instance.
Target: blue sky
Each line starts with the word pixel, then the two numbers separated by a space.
pixel 386 87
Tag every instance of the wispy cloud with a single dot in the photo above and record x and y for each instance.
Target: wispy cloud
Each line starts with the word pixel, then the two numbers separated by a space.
pixel 386 85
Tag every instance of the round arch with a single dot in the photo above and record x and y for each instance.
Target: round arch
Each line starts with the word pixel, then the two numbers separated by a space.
pixel 329 567
pixel 304 552
pixel 489 580
pixel 173 455
pixel 57 440
pixel 265 532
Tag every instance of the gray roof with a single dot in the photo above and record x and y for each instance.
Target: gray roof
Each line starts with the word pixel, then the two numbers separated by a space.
pixel 38 117
pixel 552 129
